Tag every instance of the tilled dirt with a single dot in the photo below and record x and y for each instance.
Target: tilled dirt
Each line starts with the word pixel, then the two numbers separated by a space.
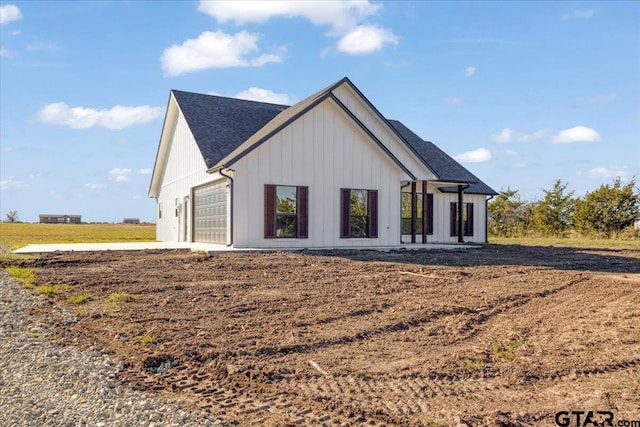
pixel 503 335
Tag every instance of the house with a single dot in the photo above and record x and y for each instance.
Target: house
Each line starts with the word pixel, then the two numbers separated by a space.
pixel 131 221
pixel 329 171
pixel 60 219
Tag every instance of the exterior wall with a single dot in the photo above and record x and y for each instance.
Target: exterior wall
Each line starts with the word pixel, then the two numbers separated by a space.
pixel 325 151
pixel 367 116
pixel 184 169
pixel 442 217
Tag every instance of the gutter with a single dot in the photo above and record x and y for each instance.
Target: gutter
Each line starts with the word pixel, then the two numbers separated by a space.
pixel 230 178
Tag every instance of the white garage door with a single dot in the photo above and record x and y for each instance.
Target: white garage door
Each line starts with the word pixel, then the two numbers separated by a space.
pixel 210 212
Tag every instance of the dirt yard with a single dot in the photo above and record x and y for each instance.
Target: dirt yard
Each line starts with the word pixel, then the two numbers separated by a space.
pixel 503 335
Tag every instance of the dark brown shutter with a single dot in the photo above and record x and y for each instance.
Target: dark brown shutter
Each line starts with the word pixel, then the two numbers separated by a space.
pixel 302 211
pixel 345 212
pixel 469 229
pixel 372 197
pixel 429 213
pixel 454 223
pixel 269 211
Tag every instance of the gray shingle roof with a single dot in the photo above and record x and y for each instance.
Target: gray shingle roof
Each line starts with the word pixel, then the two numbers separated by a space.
pixel 220 124
pixel 441 163
pixel 225 127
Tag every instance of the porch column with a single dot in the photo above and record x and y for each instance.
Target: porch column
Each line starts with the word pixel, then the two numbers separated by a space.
pixel 424 212
pixel 460 210
pixel 414 211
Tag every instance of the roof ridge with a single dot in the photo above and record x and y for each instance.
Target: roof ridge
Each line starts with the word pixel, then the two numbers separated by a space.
pixel 229 97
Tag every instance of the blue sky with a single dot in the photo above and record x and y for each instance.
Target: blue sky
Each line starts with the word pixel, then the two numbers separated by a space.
pixel 522 93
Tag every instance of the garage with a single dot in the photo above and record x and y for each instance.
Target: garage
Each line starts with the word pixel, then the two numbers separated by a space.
pixel 210 212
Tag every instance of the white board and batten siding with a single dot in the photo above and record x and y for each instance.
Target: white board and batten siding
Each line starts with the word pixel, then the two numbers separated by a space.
pixel 381 130
pixel 184 169
pixel 442 217
pixel 325 151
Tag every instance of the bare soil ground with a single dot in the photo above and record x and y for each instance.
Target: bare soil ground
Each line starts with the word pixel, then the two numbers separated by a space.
pixel 504 335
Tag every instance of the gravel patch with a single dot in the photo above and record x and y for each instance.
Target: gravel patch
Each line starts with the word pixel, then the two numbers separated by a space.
pixel 46 383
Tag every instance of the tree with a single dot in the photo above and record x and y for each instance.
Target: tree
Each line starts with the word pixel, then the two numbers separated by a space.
pixel 507 214
pixel 553 215
pixel 608 210
pixel 12 216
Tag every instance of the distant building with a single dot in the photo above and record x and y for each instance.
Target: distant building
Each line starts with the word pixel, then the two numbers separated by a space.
pixel 131 221
pixel 60 219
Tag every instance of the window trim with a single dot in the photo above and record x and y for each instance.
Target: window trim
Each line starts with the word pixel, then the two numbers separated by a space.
pixel 271 212
pixel 345 214
pixel 467 220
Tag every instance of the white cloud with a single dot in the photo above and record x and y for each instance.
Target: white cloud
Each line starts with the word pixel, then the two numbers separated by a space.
pixel 264 95
pixel 599 99
pixel 469 71
pixel 10 183
pixel 576 134
pixel 345 18
pixel 215 50
pixel 529 137
pixel 453 100
pixel 476 156
pixel 510 153
pixel 504 136
pixel 610 172
pixel 117 117
pixel 339 15
pixel 9 13
pixel 120 174
pixel 145 171
pixel 15 32
pixel 365 39
pixel 580 14
pixel 94 186
pixel 4 52
pixel 508 135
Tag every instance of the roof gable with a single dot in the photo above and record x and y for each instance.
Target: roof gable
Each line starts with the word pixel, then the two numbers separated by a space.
pixel 219 124
pixel 226 129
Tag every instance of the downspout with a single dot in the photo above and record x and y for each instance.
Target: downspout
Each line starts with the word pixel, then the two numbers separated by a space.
pixel 230 205
pixel 486 218
pixel 461 188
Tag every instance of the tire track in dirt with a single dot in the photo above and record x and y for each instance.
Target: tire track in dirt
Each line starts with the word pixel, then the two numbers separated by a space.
pixel 398 400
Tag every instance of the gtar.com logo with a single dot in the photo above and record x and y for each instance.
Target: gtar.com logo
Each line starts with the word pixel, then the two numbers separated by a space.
pixel 591 418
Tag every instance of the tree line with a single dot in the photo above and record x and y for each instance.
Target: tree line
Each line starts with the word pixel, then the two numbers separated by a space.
pixel 610 211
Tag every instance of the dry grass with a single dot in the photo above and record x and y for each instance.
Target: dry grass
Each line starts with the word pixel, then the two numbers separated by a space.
pixel 568 242
pixel 17 235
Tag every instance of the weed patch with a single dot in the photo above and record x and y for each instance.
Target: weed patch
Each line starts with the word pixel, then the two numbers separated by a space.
pixel 146 339
pixel 25 275
pixel 499 351
pixel 80 299
pixel 51 289
pixel 121 297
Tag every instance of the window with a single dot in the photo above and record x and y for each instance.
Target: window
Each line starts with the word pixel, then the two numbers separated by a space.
pixel 406 213
pixel 358 213
pixel 285 211
pixel 467 219
pixel 160 210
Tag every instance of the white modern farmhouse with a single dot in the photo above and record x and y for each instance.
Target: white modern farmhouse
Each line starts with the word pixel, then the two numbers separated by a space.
pixel 330 171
